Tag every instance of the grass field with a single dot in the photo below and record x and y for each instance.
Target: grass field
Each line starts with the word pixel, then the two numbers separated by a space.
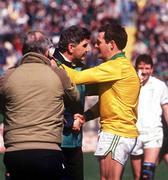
pixel 91 169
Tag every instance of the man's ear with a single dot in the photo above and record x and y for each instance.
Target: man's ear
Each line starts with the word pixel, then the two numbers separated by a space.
pixel 112 45
pixel 71 47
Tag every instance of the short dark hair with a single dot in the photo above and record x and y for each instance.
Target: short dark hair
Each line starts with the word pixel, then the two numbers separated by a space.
pixel 36 41
pixel 116 33
pixel 146 58
pixel 73 34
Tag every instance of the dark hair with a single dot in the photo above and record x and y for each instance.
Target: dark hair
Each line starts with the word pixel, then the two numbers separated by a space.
pixel 116 33
pixel 147 59
pixel 73 34
pixel 36 41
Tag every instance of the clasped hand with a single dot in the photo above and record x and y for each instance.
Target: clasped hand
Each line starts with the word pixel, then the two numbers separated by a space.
pixel 79 120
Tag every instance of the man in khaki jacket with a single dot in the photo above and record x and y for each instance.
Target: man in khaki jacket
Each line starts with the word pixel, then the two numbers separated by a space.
pixel 31 97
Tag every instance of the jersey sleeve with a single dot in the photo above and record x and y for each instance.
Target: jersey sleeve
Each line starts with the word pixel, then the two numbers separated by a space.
pixel 105 72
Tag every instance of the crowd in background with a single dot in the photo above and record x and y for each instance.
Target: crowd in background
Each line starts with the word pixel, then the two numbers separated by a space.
pixel 51 16
pixel 152 35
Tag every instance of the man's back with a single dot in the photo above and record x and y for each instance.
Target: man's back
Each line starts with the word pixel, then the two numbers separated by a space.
pixel 34 94
pixel 32 102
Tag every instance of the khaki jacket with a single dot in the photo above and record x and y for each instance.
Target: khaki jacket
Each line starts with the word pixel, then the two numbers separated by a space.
pixel 32 102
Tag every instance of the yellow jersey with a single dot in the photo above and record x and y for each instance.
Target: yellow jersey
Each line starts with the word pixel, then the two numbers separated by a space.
pixel 119 88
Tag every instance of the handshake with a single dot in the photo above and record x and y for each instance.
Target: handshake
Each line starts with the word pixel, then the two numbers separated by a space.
pixel 79 120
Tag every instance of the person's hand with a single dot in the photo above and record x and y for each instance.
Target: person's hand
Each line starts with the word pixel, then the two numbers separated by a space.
pixel 80 117
pixel 76 125
pixel 2 149
pixel 78 122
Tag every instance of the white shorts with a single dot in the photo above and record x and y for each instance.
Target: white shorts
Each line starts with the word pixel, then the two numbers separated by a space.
pixel 119 147
pixel 151 139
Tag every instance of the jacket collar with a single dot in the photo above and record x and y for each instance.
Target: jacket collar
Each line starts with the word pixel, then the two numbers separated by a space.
pixel 33 57
pixel 59 57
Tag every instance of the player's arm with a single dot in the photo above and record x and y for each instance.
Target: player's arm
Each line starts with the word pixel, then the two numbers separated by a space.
pixel 105 72
pixel 92 113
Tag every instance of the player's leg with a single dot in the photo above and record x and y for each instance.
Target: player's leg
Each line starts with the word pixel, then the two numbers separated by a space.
pixel 165 157
pixel 151 154
pixel 137 158
pixel 113 152
pixel 149 164
pixel 136 163
pixel 152 147
pixel 110 169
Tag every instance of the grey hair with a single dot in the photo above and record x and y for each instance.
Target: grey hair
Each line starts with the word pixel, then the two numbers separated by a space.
pixel 36 41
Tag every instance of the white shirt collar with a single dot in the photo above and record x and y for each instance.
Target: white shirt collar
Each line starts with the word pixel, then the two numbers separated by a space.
pixel 66 59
